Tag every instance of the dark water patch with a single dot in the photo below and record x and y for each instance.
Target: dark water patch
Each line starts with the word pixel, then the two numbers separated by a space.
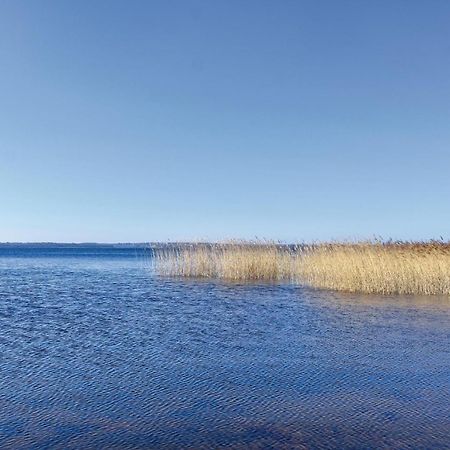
pixel 97 352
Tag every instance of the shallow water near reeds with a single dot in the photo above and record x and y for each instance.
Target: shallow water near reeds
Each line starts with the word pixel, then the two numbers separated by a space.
pixel 99 352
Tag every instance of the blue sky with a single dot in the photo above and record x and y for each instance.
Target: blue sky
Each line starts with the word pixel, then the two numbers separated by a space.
pixel 167 120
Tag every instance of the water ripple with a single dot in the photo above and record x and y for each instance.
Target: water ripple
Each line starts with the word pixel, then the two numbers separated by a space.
pixel 97 352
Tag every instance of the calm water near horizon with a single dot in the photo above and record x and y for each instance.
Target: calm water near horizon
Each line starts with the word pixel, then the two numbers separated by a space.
pixel 97 351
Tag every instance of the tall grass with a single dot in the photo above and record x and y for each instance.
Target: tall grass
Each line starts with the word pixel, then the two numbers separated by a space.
pixel 393 268
pixel 366 267
pixel 234 260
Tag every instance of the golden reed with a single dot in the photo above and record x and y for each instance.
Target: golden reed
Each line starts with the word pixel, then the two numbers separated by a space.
pixel 366 267
pixel 233 260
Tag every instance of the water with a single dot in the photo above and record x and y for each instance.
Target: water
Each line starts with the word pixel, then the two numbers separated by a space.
pixel 99 352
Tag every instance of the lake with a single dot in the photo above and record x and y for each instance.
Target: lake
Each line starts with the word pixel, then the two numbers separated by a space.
pixel 97 351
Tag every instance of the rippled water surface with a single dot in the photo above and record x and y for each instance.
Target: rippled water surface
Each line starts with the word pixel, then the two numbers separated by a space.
pixel 98 352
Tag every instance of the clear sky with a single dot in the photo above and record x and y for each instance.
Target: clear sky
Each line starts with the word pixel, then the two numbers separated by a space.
pixel 158 120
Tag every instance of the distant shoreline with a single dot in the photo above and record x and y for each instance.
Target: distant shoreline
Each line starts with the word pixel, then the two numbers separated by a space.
pixel 74 244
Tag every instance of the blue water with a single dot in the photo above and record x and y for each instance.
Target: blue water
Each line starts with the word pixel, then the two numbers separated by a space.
pixel 97 351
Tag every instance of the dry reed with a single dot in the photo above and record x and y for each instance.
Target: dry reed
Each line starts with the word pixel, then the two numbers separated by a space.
pixel 366 267
pixel 234 260
pixel 393 268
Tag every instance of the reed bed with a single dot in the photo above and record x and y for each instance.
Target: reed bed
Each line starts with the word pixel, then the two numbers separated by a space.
pixel 384 268
pixel 235 260
pixel 366 267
